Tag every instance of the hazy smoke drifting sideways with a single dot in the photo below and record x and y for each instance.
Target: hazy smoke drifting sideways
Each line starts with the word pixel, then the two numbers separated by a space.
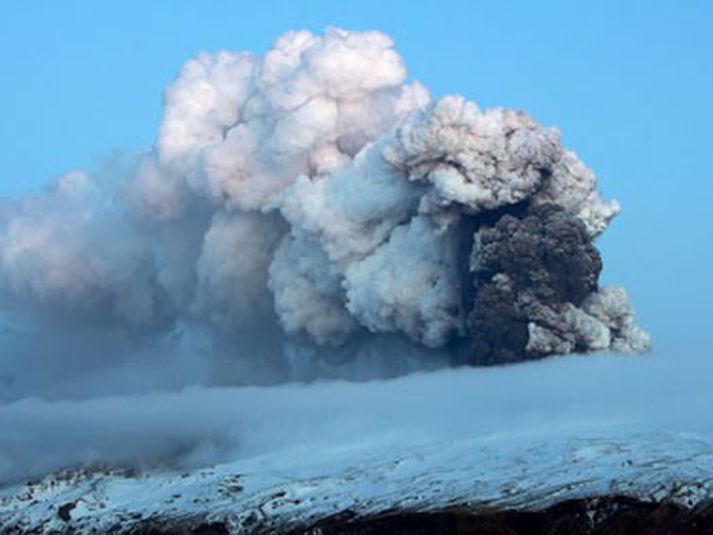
pixel 315 193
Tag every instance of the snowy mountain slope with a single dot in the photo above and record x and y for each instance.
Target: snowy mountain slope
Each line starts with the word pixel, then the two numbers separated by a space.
pixel 272 458
pixel 297 488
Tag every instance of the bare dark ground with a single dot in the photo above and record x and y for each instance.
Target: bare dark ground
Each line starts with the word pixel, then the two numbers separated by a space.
pixel 617 515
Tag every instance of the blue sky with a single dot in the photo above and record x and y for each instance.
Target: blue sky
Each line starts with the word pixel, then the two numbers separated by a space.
pixel 629 83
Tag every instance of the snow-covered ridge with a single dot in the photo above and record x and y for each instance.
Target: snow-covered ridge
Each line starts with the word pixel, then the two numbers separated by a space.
pixel 257 458
pixel 288 490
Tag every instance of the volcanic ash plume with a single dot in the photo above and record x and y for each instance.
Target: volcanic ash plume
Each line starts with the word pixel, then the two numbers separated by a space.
pixel 313 198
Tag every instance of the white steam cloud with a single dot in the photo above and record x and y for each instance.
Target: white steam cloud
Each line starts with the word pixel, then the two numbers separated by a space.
pixel 303 209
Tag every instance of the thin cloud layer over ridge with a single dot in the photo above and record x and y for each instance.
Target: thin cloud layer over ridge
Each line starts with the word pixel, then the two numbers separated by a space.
pixel 312 202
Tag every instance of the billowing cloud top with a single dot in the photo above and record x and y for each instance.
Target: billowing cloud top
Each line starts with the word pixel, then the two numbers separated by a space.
pixel 313 199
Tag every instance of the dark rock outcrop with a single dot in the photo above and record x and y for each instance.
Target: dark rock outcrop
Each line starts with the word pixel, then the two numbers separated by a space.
pixel 595 516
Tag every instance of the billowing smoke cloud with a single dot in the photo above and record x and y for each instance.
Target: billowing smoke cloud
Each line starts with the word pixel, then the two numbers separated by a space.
pixel 308 208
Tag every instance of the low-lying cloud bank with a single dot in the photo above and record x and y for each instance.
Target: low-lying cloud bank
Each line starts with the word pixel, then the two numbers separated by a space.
pixel 201 426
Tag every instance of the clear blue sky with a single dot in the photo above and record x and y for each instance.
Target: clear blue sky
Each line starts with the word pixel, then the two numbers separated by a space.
pixel 630 84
